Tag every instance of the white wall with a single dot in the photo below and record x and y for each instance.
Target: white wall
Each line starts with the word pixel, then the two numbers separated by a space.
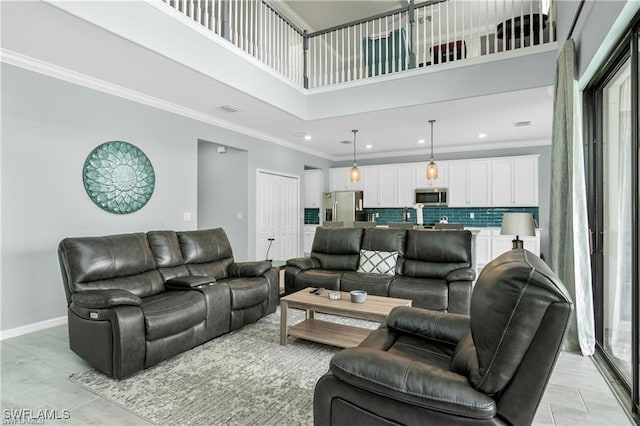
pixel 48 128
pixel 219 201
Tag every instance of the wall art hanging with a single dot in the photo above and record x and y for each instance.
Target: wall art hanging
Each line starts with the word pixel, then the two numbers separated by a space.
pixel 118 177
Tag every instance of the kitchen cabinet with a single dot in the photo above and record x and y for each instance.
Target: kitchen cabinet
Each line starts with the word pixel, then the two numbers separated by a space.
pixel 371 184
pixel 479 183
pixel 469 183
pixel 339 180
pixel 483 249
pixel 406 185
pixel 308 234
pixel 486 182
pixel 389 186
pixel 421 175
pixel 458 184
pixel 514 181
pixel 526 181
pixel 503 243
pixel 489 244
pixel 313 188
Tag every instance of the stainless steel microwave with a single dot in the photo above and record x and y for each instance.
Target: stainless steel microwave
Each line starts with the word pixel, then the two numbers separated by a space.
pixel 431 196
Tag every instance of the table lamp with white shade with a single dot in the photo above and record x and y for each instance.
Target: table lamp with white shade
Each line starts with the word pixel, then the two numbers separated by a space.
pixel 518 224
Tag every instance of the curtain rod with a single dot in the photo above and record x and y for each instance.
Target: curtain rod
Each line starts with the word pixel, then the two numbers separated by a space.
pixel 575 19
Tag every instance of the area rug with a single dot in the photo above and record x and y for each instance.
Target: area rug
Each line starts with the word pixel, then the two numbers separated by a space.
pixel 242 378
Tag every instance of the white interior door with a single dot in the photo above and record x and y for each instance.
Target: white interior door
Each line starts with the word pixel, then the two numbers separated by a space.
pixel 278 215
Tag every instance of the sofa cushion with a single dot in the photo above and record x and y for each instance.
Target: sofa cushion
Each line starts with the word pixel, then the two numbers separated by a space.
pixel 206 252
pixel 376 284
pixel 167 255
pixel 246 292
pixel 171 312
pixel 428 293
pixel 337 248
pixel 165 248
pixel 378 262
pixel 384 239
pixel 433 254
pixel 319 278
pixel 111 262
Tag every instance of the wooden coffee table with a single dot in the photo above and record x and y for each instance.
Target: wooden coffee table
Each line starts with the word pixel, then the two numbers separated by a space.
pixel 375 308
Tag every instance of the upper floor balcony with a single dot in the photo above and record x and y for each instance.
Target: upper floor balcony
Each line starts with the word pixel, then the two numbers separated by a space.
pixel 424 35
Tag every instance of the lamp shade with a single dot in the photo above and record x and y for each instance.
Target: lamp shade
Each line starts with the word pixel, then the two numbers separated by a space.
pixel 519 224
pixel 354 173
pixel 432 171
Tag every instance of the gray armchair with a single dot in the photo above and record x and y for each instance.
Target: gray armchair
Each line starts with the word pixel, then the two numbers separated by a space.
pixel 428 367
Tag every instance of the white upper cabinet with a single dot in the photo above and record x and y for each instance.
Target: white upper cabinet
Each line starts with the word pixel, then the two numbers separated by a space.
pixel 339 180
pixel 313 186
pixel 486 182
pixel 406 185
pixel 371 184
pixel 526 180
pixel 458 192
pixel 469 183
pixel 421 175
pixel 502 187
pixel 381 186
pixel 514 181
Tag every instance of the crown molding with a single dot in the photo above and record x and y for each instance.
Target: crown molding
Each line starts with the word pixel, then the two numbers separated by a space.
pixel 32 64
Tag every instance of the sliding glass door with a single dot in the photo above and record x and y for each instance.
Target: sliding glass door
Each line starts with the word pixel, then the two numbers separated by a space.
pixel 616 220
pixel 612 154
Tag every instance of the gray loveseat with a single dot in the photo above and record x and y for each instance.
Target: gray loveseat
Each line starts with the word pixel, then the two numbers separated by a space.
pixel 432 268
pixel 137 299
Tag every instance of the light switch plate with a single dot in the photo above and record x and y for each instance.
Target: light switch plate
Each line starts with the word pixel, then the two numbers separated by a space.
pixel 187 216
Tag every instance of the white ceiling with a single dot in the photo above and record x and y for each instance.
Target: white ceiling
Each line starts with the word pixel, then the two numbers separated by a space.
pixel 458 123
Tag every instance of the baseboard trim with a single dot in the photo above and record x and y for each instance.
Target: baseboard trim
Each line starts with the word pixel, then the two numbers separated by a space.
pixel 30 328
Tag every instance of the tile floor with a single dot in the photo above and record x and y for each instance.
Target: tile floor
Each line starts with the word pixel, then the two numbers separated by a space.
pixel 36 367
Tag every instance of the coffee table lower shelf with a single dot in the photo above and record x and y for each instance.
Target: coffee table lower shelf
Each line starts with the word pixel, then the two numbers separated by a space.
pixel 329 333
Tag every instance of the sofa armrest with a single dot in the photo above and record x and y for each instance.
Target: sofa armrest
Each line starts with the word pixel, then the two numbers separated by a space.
pixel 249 269
pixel 190 281
pixel 462 274
pixel 411 382
pixel 304 263
pixel 436 325
pixel 102 299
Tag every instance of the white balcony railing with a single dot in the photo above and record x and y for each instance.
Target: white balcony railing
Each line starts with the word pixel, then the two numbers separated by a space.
pixel 419 35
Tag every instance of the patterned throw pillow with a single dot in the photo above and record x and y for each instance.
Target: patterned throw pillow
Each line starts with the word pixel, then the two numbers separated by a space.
pixel 378 262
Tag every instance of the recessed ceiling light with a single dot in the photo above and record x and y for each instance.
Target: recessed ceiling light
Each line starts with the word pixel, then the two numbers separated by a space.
pixel 421 141
pixel 482 135
pixel 522 123
pixel 307 137
pixel 229 108
pixel 369 146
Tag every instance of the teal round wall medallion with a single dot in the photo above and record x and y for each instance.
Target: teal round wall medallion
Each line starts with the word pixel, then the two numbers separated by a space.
pixel 118 177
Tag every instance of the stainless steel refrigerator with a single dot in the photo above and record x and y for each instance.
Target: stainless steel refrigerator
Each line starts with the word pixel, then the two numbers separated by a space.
pixel 343 206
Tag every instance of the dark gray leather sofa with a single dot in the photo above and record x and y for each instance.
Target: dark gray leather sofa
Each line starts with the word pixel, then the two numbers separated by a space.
pixel 433 268
pixel 426 367
pixel 137 299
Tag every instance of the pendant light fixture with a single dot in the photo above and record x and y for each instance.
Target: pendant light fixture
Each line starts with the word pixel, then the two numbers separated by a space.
pixel 432 167
pixel 354 173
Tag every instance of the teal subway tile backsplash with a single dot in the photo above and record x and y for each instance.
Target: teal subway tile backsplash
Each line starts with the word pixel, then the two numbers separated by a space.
pixel 483 216
pixel 312 216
